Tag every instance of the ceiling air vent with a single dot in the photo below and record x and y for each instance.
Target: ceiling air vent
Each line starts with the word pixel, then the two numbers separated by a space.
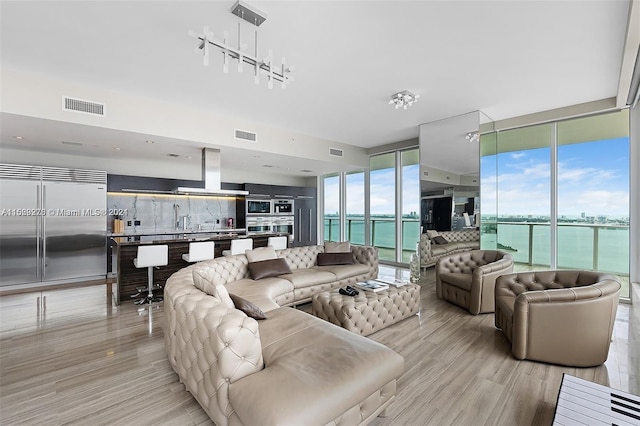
pixel 246 136
pixel 79 105
pixel 336 152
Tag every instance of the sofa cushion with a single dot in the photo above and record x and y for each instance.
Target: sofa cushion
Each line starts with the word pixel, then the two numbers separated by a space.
pixel 268 268
pixel 262 293
pixel 309 277
pixel 326 259
pixel 345 271
pixel 457 279
pixel 261 253
pixel 431 233
pixel 437 250
pixel 203 281
pixel 314 371
pixel 247 307
pixel 439 239
pixel 337 247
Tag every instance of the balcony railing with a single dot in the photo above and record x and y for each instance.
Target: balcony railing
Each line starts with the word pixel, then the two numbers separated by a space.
pixel 382 234
pixel 600 247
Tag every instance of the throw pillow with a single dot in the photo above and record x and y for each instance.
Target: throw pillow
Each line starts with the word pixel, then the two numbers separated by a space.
pixel 203 282
pixel 327 259
pixel 261 253
pixel 335 247
pixel 247 307
pixel 268 268
pixel 439 239
pixel 431 233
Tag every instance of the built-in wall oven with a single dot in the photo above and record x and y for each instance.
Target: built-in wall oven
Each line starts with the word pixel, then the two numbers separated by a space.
pixel 283 224
pixel 259 225
pixel 259 207
pixel 283 207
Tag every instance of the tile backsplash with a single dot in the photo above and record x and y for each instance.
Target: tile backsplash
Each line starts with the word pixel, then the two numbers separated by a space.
pixel 161 213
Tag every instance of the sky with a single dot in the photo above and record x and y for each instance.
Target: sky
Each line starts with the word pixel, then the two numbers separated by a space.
pixel 593 178
pixel 382 192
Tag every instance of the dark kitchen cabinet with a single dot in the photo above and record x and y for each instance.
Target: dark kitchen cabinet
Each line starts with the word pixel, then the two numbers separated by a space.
pixel 305 228
pixel 306 218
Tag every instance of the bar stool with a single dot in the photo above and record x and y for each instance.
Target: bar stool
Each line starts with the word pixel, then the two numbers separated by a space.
pixel 278 243
pixel 239 246
pixel 198 252
pixel 150 257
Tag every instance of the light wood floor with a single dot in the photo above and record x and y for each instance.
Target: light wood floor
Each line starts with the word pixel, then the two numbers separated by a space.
pixel 79 359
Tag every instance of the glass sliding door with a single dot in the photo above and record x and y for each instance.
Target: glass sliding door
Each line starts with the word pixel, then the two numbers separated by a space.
pixel 355 193
pixel 593 194
pixel 410 161
pixel 382 186
pixel 560 195
pixel 331 187
pixel 523 165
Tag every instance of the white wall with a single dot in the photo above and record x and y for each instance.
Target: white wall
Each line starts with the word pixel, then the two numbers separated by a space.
pixel 37 96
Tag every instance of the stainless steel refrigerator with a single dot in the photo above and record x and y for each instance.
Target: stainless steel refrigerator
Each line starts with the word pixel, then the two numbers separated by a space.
pixel 53 224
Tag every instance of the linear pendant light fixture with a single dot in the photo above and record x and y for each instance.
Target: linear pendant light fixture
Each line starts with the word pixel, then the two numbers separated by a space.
pixel 244 11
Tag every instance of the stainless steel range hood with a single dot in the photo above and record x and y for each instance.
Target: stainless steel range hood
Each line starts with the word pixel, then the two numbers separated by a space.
pixel 210 177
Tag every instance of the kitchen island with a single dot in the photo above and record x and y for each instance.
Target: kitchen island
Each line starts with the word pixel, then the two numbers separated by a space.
pixel 130 278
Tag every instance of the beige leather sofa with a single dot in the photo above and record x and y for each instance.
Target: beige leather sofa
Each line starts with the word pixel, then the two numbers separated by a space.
pixel 457 242
pixel 468 279
pixel 560 317
pixel 291 368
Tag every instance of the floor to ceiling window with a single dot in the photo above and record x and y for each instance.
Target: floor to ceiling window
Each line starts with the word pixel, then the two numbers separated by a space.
pixel 382 187
pixel 593 194
pixel 331 190
pixel 392 220
pixel 524 181
pixel 557 195
pixel 354 206
pixel 410 224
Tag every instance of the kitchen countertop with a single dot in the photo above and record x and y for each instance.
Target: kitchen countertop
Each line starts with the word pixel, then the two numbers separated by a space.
pixel 177 232
pixel 182 237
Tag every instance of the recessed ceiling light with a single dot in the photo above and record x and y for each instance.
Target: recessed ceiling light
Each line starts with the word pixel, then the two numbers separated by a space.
pixel 189 157
pixel 149 142
pixel 268 166
pixel 117 148
pixel 18 137
pixel 173 155
pixel 306 171
pixel 71 143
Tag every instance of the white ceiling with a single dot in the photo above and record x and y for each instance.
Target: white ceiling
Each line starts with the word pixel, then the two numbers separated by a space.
pixel 504 58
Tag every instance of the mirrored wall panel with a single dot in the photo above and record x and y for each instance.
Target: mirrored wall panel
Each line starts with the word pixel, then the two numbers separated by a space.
pixel 450 171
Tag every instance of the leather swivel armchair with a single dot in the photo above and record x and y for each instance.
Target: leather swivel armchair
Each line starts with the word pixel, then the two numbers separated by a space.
pixel 467 279
pixel 559 317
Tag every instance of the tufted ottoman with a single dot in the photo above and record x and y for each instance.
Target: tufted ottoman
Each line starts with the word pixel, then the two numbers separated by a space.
pixel 367 312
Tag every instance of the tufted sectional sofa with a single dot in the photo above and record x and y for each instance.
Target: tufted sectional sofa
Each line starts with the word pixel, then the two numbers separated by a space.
pixel 291 368
pixel 458 242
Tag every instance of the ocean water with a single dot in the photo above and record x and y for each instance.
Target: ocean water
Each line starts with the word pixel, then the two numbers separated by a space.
pixel 576 245
pixel 576 248
pixel 383 230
